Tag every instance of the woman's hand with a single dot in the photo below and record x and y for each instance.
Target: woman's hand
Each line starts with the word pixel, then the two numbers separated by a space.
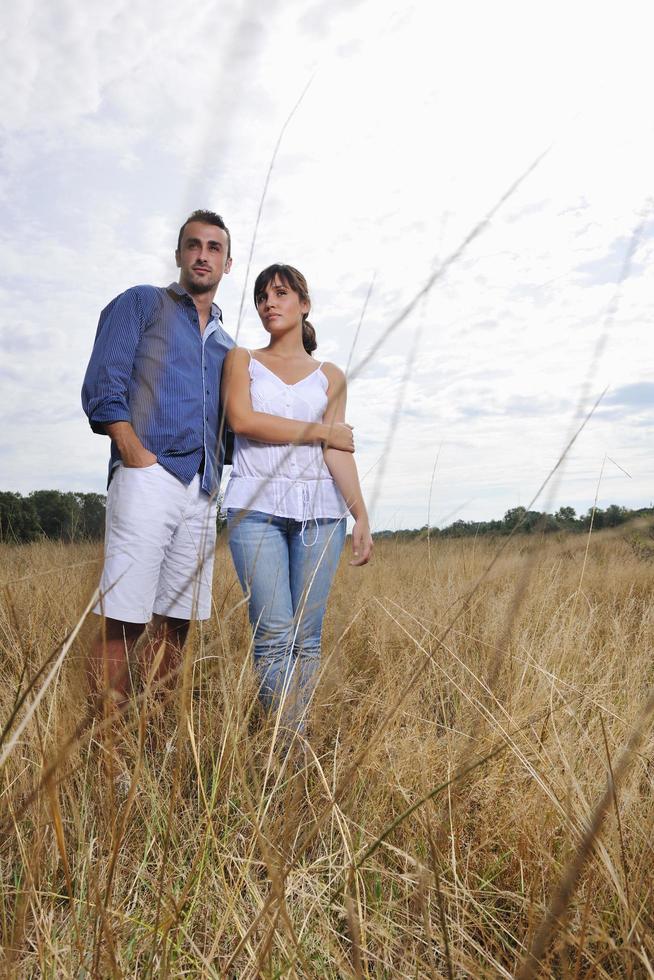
pixel 343 469
pixel 340 436
pixel 362 543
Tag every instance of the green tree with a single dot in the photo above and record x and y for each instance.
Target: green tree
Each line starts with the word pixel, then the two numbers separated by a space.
pixel 58 513
pixel 513 517
pixel 534 521
pixel 614 515
pixel 596 515
pixel 91 515
pixel 18 518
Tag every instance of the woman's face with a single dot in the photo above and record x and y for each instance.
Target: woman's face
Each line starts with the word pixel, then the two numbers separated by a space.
pixel 279 307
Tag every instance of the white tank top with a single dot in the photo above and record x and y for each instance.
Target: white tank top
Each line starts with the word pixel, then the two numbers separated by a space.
pixel 285 480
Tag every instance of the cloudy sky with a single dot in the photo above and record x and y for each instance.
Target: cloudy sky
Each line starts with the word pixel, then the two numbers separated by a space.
pixel 120 117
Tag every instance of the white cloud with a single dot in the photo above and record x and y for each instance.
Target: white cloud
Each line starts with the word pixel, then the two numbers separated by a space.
pixel 119 118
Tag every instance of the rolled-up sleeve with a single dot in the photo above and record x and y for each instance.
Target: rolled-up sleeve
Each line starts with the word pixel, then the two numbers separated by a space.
pixel 106 383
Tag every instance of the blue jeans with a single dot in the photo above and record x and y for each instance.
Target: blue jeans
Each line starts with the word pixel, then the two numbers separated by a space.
pixel 286 569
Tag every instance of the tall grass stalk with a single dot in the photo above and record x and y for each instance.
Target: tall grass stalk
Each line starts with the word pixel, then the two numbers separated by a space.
pixel 428 825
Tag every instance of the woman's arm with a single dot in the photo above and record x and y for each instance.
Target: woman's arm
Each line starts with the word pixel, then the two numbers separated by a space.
pixel 344 470
pixel 244 421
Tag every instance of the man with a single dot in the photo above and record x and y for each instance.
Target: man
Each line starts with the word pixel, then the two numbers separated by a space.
pixel 152 385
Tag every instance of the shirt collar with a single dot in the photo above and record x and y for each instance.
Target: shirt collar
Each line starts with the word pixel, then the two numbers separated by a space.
pixel 178 290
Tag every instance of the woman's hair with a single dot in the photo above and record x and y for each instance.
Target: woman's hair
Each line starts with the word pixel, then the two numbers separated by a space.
pixel 294 280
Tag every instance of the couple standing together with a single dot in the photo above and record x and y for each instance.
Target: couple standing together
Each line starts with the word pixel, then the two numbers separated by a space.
pixel 162 379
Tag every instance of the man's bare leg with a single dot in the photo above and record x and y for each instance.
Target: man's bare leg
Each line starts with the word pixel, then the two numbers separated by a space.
pixel 160 659
pixel 109 674
pixel 172 633
pixel 107 665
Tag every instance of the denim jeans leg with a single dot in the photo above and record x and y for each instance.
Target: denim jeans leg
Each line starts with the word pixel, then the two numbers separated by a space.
pixel 259 546
pixel 314 557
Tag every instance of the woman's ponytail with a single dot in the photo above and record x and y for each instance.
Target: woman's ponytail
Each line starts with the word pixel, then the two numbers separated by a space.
pixel 308 336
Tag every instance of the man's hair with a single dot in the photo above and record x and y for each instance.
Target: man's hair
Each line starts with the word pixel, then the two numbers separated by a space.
pixel 208 218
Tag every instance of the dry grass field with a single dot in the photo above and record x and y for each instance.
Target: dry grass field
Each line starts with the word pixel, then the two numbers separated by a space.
pixel 477 782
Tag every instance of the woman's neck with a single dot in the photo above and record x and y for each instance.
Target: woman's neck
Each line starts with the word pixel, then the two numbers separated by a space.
pixel 288 345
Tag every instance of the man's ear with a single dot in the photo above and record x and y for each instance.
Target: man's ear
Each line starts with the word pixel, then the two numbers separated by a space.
pixel 177 262
pixel 228 264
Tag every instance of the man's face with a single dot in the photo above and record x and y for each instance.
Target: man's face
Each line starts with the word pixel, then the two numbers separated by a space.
pixel 202 257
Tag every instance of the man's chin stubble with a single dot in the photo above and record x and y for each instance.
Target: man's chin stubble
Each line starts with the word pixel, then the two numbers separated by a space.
pixel 200 287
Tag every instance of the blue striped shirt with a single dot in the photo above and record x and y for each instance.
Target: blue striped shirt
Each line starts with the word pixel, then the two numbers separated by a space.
pixel 152 367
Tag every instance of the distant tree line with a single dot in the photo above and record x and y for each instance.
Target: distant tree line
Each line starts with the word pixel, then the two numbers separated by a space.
pixel 523 521
pixel 51 514
pixel 80 517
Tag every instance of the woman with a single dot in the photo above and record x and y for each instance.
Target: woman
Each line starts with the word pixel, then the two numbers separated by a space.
pixel 286 503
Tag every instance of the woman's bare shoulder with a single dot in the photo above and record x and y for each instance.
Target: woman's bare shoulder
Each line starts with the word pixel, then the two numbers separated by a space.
pixel 237 355
pixel 332 372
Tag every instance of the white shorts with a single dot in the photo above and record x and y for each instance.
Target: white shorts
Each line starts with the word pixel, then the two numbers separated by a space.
pixel 160 540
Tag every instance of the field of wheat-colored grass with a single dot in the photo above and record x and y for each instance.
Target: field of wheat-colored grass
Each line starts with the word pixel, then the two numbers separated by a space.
pixel 501 699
